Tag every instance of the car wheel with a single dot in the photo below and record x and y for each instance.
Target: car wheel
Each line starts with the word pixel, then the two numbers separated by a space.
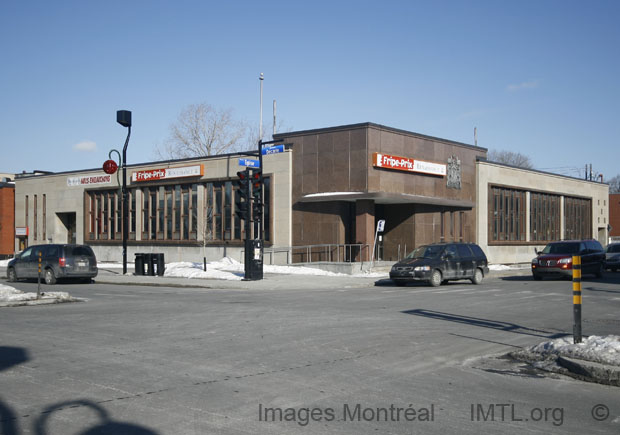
pixel 537 277
pixel 11 275
pixel 435 280
pixel 614 270
pixel 50 278
pixel 477 279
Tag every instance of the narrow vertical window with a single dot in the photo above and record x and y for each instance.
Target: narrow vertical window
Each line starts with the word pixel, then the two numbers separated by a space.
pixel 35 223
pixel 44 216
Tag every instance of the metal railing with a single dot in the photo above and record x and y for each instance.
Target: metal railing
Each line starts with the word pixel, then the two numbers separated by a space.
pixel 331 253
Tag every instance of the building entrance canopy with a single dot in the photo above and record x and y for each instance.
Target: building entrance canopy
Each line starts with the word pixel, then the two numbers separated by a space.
pixel 386 198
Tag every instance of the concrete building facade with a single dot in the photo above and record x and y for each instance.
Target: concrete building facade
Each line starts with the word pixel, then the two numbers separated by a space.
pixel 183 208
pixel 520 210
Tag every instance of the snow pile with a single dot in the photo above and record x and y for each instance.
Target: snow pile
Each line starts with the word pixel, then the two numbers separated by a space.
pixel 229 268
pixel 11 294
pixel 604 350
pixel 498 267
pixel 195 270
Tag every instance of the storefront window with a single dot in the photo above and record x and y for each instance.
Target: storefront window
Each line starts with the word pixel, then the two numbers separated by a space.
pixel 577 218
pixel 544 217
pixel 506 214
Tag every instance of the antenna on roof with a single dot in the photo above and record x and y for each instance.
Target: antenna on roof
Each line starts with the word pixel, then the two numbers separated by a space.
pixel 475 136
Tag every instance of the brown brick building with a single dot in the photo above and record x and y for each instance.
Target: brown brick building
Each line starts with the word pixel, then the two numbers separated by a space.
pixel 347 178
pixel 7 219
pixel 614 215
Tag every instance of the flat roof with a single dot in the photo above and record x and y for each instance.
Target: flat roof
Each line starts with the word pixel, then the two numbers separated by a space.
pixel 376 126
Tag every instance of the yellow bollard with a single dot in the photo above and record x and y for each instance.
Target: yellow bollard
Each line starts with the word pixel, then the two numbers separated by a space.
pixel 576 299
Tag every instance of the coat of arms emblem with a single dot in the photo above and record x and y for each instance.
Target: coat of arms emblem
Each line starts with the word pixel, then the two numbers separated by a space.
pixel 454 173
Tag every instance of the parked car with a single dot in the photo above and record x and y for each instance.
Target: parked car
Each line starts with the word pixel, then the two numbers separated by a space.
pixel 57 261
pixel 612 257
pixel 441 262
pixel 556 260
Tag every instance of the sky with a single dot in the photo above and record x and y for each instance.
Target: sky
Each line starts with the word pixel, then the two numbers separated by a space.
pixel 536 77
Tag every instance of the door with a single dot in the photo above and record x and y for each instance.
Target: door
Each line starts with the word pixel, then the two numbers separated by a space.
pixel 24 264
pixel 467 261
pixel 452 263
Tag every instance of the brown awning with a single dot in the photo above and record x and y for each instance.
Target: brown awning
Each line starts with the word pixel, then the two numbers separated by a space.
pixel 386 198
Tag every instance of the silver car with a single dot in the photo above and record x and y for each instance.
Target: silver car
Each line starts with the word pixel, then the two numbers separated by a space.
pixel 56 261
pixel 612 256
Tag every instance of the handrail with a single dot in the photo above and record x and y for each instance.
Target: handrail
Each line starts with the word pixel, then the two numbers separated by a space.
pixel 328 252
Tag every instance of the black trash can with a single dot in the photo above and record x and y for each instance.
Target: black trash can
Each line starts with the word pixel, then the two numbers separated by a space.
pixel 148 262
pixel 139 263
pixel 159 260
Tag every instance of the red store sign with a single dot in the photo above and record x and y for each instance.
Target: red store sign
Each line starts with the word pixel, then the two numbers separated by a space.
pixel 380 160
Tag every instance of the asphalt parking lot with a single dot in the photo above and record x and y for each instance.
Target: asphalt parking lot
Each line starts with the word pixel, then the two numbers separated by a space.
pixel 197 360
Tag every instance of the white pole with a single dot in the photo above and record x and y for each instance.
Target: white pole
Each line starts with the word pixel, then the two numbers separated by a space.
pixel 274 118
pixel 260 127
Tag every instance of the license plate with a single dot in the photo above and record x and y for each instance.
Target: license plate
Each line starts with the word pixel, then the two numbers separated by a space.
pixel 82 263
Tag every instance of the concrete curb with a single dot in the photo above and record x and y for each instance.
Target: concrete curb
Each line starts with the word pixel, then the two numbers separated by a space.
pixel 602 373
pixel 32 303
pixel 588 371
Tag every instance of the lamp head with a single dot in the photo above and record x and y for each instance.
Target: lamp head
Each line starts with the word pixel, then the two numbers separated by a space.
pixel 123 117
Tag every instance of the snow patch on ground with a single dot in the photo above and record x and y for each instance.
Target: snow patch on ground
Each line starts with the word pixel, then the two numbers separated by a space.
pixel 11 294
pixel 604 350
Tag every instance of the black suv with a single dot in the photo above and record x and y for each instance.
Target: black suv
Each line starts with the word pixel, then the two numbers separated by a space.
pixel 441 262
pixel 57 261
pixel 557 259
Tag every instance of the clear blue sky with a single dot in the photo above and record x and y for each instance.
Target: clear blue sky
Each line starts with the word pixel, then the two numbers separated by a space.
pixel 537 77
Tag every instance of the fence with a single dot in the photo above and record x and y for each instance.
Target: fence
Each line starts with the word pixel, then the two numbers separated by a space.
pixel 332 253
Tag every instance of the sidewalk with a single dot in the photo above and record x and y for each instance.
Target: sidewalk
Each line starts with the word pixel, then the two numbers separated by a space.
pixel 273 281
pixel 269 282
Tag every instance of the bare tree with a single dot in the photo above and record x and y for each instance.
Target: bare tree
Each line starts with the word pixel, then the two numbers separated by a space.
pixel 614 184
pixel 510 158
pixel 202 130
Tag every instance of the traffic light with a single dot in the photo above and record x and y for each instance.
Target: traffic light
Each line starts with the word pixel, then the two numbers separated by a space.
pixel 242 209
pixel 257 192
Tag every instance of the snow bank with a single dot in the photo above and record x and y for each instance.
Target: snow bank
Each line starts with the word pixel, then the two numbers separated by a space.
pixel 604 350
pixel 11 294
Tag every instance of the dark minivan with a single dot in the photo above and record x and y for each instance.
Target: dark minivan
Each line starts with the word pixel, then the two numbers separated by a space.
pixel 441 262
pixel 57 261
pixel 556 260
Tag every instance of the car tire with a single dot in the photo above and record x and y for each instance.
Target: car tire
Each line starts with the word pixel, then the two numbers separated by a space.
pixel 436 278
pixel 537 277
pixel 478 276
pixel 10 274
pixel 614 269
pixel 50 278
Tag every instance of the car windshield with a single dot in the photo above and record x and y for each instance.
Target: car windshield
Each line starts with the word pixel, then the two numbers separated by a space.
pixel 614 248
pixel 561 248
pixel 426 252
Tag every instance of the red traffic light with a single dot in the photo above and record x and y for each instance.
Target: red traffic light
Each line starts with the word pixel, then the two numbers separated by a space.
pixel 110 167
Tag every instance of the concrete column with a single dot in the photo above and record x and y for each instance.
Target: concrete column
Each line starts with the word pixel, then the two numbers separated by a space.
pixel 365 226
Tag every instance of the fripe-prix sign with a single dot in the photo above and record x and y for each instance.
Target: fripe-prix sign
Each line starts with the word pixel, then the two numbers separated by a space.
pixel 406 164
pixel 166 173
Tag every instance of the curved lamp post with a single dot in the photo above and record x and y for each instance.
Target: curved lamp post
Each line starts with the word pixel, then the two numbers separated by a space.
pixel 123 117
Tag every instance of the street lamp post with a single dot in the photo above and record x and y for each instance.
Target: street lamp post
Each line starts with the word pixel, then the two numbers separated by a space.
pixel 123 117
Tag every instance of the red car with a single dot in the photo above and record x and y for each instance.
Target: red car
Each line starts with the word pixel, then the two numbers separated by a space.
pixel 557 259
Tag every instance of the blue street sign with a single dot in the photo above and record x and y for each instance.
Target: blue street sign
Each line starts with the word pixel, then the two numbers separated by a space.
pixel 249 163
pixel 273 150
